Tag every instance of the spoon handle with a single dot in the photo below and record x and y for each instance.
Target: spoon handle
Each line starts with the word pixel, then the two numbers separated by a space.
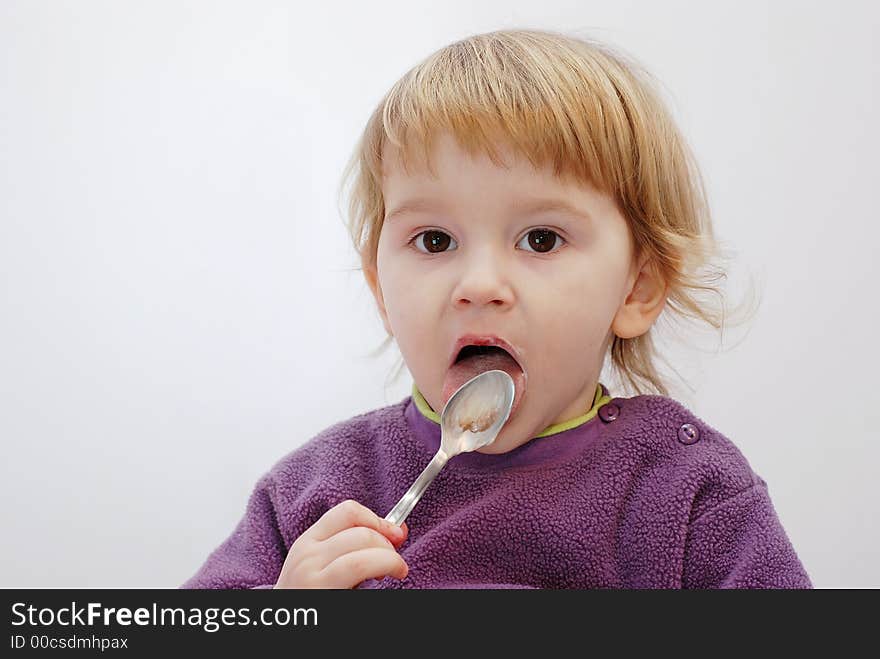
pixel 417 489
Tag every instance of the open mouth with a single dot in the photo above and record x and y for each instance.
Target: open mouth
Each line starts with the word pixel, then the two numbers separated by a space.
pixel 473 359
pixel 475 350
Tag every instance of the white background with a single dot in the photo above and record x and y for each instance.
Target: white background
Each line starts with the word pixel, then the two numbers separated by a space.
pixel 178 305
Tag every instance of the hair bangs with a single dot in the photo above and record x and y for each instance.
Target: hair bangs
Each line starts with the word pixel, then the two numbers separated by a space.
pixel 492 91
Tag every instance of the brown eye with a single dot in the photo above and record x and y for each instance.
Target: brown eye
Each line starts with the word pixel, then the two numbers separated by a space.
pixel 542 241
pixel 433 242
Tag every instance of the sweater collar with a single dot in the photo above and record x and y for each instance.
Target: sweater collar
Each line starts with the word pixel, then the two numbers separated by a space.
pixel 565 439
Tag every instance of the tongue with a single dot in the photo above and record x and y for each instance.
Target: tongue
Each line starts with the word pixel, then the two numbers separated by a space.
pixel 471 367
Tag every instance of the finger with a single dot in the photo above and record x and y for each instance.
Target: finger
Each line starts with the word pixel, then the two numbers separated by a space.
pixel 347 514
pixel 348 541
pixel 398 542
pixel 350 569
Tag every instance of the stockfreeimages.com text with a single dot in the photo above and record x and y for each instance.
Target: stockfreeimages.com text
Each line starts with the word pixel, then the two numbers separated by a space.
pixel 210 619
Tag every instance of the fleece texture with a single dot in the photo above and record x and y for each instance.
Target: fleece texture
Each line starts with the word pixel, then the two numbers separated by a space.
pixel 641 495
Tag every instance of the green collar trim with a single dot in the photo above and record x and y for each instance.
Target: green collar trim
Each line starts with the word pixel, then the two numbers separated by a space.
pixel 598 401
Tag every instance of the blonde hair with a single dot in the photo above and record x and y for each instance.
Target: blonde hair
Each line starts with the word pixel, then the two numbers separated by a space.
pixel 589 112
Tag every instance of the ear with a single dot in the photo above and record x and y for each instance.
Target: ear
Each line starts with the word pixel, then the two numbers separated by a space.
pixel 644 302
pixel 372 277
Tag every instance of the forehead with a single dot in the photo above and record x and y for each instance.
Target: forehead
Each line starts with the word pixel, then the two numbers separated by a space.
pixel 445 155
pixel 449 170
pixel 416 181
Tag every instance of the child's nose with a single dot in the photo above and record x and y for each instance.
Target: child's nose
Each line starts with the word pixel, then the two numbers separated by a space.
pixel 485 280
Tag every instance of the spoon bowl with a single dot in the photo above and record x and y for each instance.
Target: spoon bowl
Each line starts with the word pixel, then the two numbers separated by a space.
pixel 474 415
pixel 471 419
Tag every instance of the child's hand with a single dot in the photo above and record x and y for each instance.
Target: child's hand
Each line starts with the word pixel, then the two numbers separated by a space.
pixel 348 544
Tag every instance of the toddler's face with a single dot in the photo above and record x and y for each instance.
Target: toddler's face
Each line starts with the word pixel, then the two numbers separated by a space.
pixel 469 253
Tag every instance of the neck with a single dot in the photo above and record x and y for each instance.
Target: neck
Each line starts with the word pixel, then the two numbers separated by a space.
pixel 599 399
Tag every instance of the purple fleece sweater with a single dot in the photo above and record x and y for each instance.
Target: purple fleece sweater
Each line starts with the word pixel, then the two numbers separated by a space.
pixel 641 495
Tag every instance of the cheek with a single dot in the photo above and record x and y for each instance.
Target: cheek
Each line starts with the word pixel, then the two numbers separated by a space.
pixel 412 317
pixel 576 319
pixel 411 290
pixel 408 305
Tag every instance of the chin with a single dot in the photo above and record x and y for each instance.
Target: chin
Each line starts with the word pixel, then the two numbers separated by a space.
pixel 494 449
pixel 510 437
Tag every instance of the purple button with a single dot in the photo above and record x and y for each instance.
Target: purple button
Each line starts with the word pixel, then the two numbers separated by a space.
pixel 688 434
pixel 609 412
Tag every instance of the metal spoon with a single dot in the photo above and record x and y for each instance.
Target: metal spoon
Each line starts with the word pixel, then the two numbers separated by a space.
pixel 472 418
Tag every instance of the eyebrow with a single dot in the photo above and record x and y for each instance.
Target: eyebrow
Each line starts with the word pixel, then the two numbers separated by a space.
pixel 414 206
pixel 524 206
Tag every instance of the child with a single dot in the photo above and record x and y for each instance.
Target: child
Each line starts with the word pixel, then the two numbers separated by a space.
pixel 529 192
